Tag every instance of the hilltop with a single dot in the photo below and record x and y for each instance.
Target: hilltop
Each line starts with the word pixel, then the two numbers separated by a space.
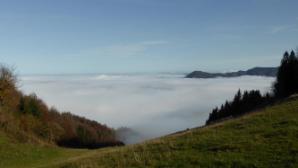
pixel 265 138
pixel 257 71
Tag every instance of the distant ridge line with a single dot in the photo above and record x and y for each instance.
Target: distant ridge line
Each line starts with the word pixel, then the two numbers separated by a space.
pixel 257 71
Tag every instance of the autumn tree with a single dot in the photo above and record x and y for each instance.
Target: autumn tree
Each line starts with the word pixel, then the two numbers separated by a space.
pixel 9 95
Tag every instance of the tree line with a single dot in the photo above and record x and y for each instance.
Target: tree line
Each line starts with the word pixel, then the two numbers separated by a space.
pixel 28 118
pixel 286 84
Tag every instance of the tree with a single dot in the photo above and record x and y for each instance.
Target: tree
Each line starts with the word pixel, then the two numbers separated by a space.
pixel 9 95
pixel 241 104
pixel 287 77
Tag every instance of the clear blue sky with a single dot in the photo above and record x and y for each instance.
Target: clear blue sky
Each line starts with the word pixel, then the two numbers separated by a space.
pixel 110 36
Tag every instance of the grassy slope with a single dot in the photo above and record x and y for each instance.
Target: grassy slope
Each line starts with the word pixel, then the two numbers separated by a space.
pixel 14 154
pixel 262 139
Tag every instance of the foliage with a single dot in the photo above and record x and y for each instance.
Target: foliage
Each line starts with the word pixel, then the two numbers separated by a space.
pixel 241 104
pixel 9 95
pixel 84 133
pixel 287 78
pixel 27 114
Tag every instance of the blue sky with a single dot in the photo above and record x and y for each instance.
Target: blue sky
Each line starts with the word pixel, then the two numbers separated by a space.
pixel 112 36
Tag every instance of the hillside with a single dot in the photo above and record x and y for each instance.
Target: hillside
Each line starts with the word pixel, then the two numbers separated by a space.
pixel 27 118
pixel 267 138
pixel 257 71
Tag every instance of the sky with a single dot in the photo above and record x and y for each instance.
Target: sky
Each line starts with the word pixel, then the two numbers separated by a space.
pixel 132 36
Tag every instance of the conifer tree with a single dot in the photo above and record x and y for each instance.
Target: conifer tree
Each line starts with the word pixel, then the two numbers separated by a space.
pixel 287 77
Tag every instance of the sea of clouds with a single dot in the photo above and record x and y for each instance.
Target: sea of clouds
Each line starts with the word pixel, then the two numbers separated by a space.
pixel 152 104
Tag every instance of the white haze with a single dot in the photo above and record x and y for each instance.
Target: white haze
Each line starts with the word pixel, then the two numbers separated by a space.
pixel 152 105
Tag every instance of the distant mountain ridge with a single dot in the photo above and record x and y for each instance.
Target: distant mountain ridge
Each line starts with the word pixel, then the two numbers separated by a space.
pixel 257 71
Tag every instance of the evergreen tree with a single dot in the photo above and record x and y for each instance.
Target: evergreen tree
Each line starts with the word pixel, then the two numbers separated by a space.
pixel 241 104
pixel 287 77
pixel 286 84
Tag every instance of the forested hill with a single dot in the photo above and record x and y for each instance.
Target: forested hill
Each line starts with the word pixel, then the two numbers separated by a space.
pixel 257 71
pixel 28 119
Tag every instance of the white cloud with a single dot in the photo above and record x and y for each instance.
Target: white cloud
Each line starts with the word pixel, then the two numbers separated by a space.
pixel 277 29
pixel 152 104
pixel 158 42
pixel 283 28
pixel 124 50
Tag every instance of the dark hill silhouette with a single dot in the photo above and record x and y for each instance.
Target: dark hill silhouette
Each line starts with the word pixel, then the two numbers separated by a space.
pixel 257 71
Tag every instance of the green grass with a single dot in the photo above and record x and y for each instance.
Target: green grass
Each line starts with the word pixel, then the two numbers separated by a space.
pixel 268 138
pixel 14 154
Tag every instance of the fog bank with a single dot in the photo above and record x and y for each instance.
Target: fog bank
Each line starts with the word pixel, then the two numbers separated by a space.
pixel 152 105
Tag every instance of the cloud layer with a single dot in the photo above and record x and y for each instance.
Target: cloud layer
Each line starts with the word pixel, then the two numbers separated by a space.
pixel 151 104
